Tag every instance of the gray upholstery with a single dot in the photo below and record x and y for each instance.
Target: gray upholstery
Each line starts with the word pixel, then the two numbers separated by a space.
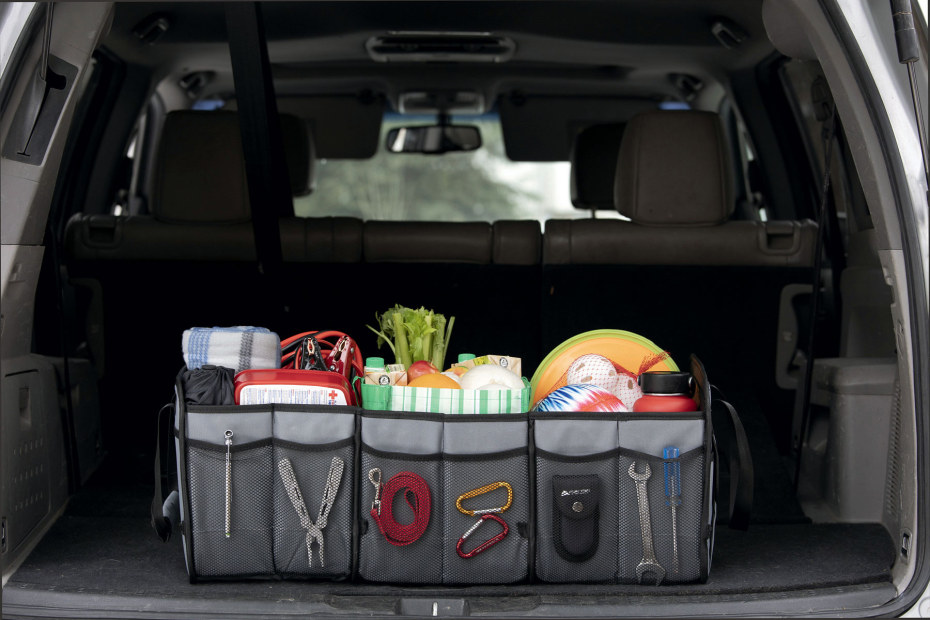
pixel 607 242
pixel 517 242
pixel 427 242
pixel 200 175
pixel 331 239
pixel 506 242
pixel 109 237
pixel 200 206
pixel 594 166
pixel 672 179
pixel 673 170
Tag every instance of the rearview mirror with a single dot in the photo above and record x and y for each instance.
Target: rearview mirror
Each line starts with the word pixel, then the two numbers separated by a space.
pixel 433 139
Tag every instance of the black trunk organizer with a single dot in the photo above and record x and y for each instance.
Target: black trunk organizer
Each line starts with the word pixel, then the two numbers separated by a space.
pixel 572 507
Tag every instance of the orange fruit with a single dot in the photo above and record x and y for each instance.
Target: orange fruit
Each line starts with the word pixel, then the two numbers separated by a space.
pixel 434 380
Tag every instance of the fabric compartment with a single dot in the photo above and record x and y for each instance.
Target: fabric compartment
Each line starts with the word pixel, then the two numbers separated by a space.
pixel 314 488
pixel 577 521
pixel 486 459
pixel 675 524
pixel 401 534
pixel 666 454
pixel 229 491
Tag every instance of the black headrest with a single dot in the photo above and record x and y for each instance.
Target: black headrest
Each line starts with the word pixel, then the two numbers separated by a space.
pixel 594 166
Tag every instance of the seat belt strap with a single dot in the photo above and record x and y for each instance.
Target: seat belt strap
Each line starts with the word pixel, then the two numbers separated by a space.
pixel 262 142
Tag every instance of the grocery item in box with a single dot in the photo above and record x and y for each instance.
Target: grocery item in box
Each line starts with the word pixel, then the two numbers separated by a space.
pixel 440 400
pixel 513 364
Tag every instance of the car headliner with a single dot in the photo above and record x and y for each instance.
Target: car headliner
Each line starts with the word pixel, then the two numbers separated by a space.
pixel 620 48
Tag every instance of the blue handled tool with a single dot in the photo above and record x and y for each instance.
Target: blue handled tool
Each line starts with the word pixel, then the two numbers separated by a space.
pixel 673 494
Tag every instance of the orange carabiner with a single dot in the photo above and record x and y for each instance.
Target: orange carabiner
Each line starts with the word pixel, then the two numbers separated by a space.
pixel 481 491
pixel 486 544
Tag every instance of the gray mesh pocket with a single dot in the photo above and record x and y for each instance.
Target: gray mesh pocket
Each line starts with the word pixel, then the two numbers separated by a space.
pixel 507 560
pixel 599 562
pixel 311 467
pixel 420 561
pixel 688 534
pixel 246 549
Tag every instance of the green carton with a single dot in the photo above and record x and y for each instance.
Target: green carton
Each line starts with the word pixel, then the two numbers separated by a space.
pixel 444 400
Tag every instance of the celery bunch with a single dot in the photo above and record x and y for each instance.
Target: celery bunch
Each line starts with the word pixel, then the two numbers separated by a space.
pixel 414 334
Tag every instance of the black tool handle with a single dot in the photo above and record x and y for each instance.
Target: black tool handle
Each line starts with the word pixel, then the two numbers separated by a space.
pixel 904 33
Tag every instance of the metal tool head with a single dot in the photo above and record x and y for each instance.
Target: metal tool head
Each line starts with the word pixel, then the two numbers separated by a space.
pixel 637 476
pixel 649 567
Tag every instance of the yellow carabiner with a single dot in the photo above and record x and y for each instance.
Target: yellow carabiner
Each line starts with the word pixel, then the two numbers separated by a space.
pixel 481 491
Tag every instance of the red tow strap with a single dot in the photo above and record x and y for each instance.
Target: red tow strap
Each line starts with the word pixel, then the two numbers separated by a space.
pixel 396 533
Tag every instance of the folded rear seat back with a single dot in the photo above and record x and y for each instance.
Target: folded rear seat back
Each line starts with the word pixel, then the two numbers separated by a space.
pixel 517 243
pixel 427 242
pixel 200 202
pixel 673 181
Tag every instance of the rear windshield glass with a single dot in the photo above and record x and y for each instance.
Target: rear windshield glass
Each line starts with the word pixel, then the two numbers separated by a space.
pixel 481 185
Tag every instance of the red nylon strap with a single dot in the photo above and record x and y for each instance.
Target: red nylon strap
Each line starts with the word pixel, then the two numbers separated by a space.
pixel 396 533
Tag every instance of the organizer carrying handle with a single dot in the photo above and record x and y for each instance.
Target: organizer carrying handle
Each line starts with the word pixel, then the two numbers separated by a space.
pixel 160 521
pixel 741 471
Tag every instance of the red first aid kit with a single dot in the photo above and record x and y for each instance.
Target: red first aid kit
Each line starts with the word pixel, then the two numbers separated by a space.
pixel 293 387
pixel 315 370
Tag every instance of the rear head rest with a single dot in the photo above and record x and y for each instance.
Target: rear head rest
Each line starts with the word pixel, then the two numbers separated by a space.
pixel 594 166
pixel 200 174
pixel 673 170
pixel 299 154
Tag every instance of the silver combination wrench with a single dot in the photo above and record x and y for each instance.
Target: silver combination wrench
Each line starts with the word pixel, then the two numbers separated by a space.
pixel 649 563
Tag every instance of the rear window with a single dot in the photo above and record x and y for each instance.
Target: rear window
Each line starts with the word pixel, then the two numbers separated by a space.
pixel 481 185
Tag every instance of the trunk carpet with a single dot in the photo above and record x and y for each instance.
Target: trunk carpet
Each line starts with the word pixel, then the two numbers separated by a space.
pixel 104 544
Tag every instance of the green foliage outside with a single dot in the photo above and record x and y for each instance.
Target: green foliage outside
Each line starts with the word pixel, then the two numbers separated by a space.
pixel 405 186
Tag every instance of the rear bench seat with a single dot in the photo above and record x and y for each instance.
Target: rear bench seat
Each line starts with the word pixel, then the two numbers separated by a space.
pixel 680 272
pixel 192 263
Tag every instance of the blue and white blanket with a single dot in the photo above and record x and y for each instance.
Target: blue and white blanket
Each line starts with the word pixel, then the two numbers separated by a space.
pixel 238 347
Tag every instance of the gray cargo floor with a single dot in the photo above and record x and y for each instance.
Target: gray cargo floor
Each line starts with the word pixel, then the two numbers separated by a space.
pixel 104 546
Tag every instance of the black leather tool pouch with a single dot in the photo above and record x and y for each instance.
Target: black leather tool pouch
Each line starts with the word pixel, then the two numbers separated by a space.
pixel 575 516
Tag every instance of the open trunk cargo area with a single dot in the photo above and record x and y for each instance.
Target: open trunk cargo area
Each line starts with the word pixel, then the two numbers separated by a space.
pixel 104 547
pixel 676 152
